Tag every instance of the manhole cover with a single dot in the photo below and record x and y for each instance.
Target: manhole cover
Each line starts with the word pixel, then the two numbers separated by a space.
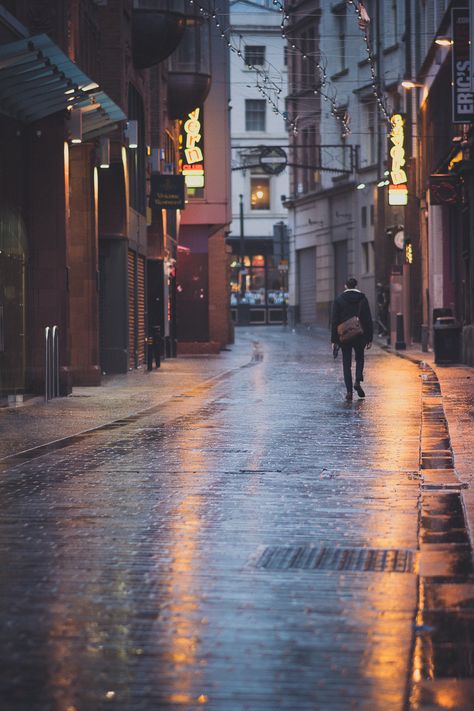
pixel 308 557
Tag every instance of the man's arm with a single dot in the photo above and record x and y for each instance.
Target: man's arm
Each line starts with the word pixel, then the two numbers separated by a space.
pixel 335 318
pixel 367 323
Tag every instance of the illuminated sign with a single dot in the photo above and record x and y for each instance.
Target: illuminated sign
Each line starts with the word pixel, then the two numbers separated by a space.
pixel 398 188
pixel 463 97
pixel 409 253
pixel 192 150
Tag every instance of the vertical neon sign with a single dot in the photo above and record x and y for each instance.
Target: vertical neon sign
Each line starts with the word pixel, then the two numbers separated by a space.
pixel 398 188
pixel 192 147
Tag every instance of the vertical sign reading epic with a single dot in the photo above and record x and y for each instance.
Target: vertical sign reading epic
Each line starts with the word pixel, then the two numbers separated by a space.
pixel 463 97
pixel 398 188
pixel 192 149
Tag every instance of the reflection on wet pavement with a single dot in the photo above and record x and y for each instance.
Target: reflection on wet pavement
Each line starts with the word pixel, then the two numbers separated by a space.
pixel 443 662
pixel 126 579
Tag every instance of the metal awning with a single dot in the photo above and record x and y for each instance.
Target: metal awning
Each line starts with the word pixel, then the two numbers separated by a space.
pixel 37 79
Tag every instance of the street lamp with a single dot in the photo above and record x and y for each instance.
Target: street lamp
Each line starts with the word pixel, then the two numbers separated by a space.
pixel 444 41
pixel 242 246
pixel 410 84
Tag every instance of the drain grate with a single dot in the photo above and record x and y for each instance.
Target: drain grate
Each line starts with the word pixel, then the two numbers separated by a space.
pixel 369 560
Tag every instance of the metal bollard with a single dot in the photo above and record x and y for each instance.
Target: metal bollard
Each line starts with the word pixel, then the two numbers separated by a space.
pixel 400 344
pixel 157 345
pixel 425 334
pixel 51 363
pixel 149 353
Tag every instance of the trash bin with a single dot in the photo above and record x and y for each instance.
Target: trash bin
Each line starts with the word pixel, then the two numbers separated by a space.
pixel 447 340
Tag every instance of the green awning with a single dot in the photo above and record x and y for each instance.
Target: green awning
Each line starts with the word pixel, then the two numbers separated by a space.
pixel 37 79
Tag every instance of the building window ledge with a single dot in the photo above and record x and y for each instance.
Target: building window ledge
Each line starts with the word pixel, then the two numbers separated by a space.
pixel 391 48
pixel 341 73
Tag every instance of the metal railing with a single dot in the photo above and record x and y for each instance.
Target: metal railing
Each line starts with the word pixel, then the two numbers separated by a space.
pixel 51 379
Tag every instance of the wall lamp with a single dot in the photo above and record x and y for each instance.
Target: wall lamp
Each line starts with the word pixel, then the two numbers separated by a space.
pixel 361 186
pixel 444 41
pixel 75 126
pixel 131 132
pixel 410 84
pixel 104 152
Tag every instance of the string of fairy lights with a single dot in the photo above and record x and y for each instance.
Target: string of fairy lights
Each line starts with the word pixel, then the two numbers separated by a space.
pixel 264 83
pixel 271 91
pixel 364 22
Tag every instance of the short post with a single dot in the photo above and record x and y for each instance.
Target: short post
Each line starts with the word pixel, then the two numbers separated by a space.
pixel 47 366
pixel 55 361
pixel 51 362
pixel 400 344
pixel 425 333
pixel 157 345
pixel 149 353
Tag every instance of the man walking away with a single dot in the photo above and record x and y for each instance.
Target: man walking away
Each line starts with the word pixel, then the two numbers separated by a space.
pixel 352 302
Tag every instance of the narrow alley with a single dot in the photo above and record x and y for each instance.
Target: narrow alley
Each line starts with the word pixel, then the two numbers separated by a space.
pixel 252 542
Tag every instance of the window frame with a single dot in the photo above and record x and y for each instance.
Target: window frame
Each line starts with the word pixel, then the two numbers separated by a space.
pixel 251 116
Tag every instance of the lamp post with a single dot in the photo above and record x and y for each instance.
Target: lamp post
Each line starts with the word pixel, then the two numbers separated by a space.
pixel 242 246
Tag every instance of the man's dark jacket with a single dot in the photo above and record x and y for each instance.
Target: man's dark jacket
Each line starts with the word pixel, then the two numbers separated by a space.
pixel 352 303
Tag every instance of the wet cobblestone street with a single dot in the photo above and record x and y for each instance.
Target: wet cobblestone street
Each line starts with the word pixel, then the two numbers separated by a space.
pixel 253 544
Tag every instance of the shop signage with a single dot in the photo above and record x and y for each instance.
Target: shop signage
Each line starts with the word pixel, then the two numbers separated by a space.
pixel 444 189
pixel 192 149
pixel 398 187
pixel 167 191
pixel 273 159
pixel 463 96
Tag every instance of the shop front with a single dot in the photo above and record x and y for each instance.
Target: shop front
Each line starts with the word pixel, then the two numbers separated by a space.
pixel 259 284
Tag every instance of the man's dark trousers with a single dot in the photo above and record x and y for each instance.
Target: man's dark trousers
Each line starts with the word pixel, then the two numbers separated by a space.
pixel 346 348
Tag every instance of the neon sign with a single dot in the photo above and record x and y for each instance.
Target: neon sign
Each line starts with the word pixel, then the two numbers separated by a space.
pixel 192 142
pixel 398 188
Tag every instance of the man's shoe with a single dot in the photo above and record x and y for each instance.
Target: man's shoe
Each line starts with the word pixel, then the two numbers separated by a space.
pixel 358 389
pixel 349 396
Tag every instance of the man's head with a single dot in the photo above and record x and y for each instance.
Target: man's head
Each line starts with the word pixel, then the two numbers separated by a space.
pixel 351 283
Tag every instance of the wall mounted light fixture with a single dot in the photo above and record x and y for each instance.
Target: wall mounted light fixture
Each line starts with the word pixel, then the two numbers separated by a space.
pixel 75 126
pixel 131 132
pixel 104 152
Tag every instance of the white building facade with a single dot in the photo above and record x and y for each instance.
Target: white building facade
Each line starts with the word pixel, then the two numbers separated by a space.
pixel 258 233
pixel 337 200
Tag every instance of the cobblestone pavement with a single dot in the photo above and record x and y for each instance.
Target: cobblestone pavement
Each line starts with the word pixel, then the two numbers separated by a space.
pixel 251 543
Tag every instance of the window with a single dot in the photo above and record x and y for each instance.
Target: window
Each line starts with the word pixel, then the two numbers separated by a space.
pixel 341 36
pixel 363 216
pixel 391 23
pixel 368 256
pixel 255 114
pixel 370 147
pixel 254 55
pixel 260 193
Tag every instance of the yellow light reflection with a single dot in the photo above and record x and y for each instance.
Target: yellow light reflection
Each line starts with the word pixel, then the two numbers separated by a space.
pixel 184 623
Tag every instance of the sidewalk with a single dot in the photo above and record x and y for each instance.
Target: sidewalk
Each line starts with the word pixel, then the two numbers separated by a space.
pixel 36 423
pixel 457 389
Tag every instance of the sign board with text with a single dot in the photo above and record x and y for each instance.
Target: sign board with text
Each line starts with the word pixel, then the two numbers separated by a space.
pixel 167 191
pixel 462 94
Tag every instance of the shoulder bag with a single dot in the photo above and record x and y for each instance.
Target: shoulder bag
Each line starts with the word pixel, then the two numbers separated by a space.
pixel 350 329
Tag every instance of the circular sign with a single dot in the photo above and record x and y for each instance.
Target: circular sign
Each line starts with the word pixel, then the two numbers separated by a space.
pixel 273 159
pixel 399 239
